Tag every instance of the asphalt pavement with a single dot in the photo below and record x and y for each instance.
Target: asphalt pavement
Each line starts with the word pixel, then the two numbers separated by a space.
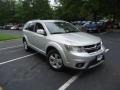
pixel 21 70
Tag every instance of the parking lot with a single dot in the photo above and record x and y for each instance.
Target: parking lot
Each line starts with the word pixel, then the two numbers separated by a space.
pixel 21 70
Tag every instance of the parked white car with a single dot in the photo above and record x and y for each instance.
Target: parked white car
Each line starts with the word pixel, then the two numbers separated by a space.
pixel 63 44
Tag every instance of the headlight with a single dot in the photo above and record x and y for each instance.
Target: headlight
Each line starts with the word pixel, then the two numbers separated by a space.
pixel 74 48
pixel 101 42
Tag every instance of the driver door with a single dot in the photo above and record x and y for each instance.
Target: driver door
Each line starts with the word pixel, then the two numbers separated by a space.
pixel 40 40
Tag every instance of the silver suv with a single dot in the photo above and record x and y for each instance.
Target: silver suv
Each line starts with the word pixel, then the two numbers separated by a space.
pixel 63 44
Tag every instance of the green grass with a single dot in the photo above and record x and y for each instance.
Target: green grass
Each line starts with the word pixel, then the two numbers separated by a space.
pixel 4 37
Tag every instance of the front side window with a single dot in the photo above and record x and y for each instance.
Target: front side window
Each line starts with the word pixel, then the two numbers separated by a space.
pixel 38 26
pixel 60 27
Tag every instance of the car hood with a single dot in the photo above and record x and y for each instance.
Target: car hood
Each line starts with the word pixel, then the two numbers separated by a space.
pixel 76 39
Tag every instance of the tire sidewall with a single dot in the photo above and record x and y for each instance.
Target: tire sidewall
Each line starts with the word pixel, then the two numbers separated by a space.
pixel 26 49
pixel 48 55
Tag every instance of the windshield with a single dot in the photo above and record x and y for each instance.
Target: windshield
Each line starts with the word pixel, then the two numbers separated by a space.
pixel 60 27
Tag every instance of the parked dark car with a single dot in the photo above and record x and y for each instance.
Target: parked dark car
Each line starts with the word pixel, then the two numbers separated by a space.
pixel 91 26
pixel 110 24
pixel 116 25
pixel 101 26
pixel 77 24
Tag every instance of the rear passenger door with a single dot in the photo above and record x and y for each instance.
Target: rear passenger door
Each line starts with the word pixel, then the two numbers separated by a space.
pixel 29 32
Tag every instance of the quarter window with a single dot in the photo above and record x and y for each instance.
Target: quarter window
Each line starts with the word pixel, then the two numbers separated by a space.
pixel 30 27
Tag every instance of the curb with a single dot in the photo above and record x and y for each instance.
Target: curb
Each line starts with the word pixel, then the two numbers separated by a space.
pixel 113 30
pixel 11 40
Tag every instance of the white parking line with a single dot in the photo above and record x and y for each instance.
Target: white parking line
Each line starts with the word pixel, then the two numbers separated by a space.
pixel 10 47
pixel 69 82
pixel 12 60
pixel 72 79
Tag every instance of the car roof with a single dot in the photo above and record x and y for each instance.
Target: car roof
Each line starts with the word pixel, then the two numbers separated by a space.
pixel 46 21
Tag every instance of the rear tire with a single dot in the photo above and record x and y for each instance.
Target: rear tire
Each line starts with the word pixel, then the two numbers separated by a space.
pixel 26 47
pixel 55 61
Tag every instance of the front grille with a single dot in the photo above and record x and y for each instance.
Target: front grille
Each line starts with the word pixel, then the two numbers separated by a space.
pixel 92 48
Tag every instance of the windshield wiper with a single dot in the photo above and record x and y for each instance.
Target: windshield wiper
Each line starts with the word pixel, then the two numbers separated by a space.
pixel 72 31
pixel 58 33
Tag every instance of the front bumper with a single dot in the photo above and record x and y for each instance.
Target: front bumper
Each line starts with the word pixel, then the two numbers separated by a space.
pixel 84 60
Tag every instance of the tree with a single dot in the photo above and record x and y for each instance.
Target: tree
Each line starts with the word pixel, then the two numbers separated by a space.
pixel 69 9
pixel 7 11
pixel 33 9
pixel 20 11
pixel 88 9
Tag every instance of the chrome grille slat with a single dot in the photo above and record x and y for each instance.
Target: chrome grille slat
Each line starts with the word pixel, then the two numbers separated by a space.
pixel 92 48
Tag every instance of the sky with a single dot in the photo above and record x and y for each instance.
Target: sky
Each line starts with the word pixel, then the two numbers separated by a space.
pixel 52 2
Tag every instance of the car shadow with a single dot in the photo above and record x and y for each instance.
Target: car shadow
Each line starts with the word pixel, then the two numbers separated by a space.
pixel 67 70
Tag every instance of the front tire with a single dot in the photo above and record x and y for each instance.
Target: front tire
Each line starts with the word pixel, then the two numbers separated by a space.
pixel 55 61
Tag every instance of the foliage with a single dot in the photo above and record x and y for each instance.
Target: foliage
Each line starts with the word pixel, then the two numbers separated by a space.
pixel 88 9
pixel 20 11
pixel 15 11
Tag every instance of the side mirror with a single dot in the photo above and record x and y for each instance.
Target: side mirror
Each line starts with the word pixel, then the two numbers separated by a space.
pixel 41 31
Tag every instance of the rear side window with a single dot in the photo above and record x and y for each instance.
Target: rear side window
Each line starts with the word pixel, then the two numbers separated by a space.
pixel 30 26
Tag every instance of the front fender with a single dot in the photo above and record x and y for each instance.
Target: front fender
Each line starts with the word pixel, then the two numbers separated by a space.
pixel 59 48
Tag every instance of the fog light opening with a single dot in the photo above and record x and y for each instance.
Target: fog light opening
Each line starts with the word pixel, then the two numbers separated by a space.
pixel 79 65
